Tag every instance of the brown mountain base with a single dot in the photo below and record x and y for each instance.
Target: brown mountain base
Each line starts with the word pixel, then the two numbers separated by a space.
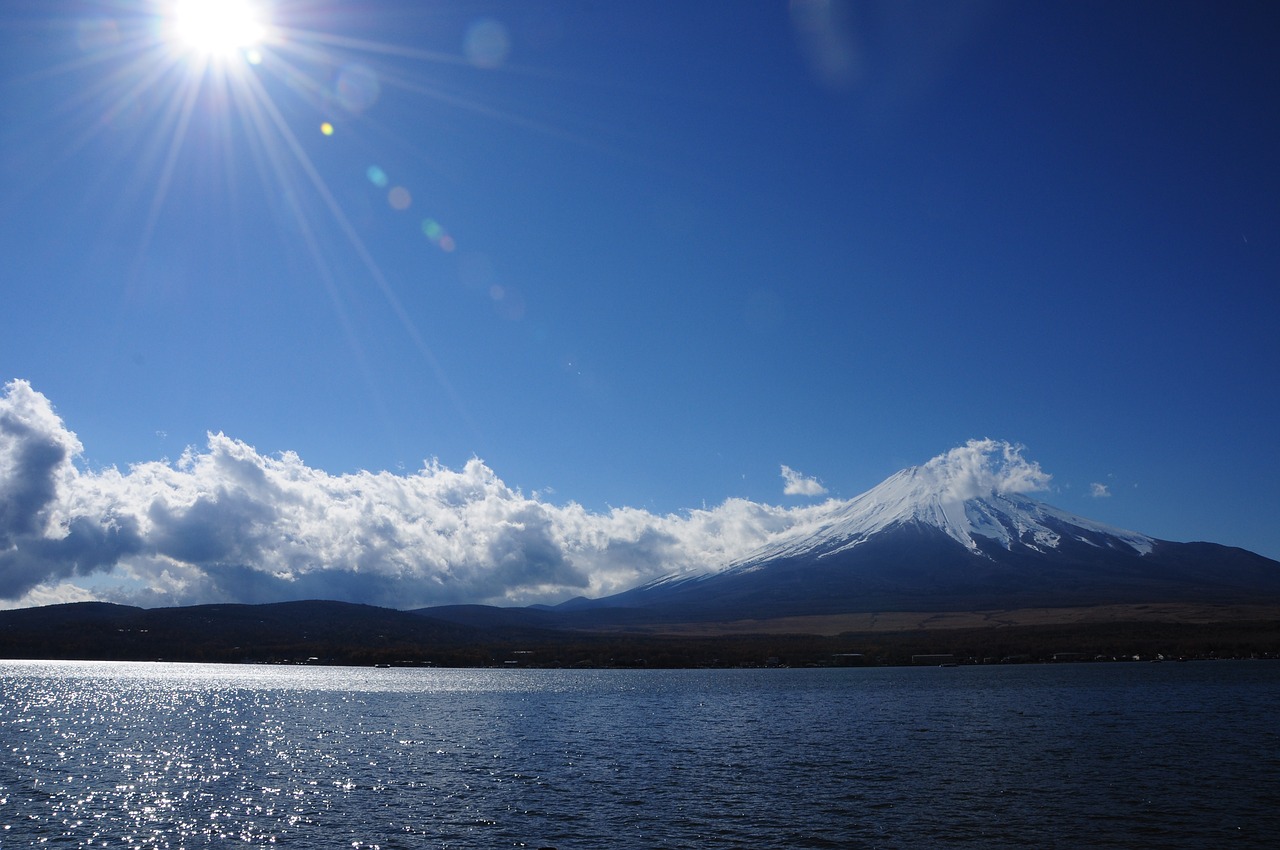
pixel 830 625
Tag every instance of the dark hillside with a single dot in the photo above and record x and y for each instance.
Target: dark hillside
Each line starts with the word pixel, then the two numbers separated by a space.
pixel 285 631
pixel 341 633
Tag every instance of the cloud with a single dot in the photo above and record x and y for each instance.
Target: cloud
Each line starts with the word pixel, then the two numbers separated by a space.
pixel 982 467
pixel 1099 491
pixel 796 484
pixel 226 523
pixel 35 457
pixel 39 541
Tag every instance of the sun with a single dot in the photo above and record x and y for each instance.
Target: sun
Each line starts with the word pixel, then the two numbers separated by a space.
pixel 216 28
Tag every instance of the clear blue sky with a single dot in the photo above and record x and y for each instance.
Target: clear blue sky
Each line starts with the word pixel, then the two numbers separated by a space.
pixel 654 251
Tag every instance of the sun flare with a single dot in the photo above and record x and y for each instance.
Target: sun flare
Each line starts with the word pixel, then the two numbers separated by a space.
pixel 216 28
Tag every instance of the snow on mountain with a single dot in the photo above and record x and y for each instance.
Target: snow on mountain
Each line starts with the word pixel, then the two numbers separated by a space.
pixel 959 533
pixel 975 491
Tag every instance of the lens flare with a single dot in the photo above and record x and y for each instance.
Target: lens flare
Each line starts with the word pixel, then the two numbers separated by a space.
pixel 487 44
pixel 399 198
pixel 357 87
pixel 195 89
pixel 433 231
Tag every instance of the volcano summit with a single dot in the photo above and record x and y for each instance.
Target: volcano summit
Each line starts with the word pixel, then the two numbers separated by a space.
pixel 959 533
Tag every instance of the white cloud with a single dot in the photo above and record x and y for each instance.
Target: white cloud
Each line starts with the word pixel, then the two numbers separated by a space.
pixel 796 484
pixel 982 467
pixel 1099 491
pixel 226 523
pixel 50 594
pixel 40 541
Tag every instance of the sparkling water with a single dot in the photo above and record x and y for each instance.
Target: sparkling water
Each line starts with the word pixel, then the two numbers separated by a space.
pixel 1081 755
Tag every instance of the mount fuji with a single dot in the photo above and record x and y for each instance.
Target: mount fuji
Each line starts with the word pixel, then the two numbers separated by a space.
pixel 959 533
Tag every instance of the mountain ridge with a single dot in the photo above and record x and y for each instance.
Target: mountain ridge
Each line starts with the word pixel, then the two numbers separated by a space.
pixel 956 540
pixel 959 532
pixel 326 632
pixel 973 492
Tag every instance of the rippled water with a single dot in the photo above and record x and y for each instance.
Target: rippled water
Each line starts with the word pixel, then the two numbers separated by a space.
pixel 170 755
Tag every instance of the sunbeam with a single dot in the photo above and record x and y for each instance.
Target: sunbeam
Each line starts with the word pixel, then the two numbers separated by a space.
pixel 203 78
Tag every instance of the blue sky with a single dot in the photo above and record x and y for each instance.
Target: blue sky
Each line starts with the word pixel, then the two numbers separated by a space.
pixel 641 256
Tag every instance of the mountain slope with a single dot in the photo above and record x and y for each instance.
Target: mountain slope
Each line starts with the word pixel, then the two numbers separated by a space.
pixel 957 533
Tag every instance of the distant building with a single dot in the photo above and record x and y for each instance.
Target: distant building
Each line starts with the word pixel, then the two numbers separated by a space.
pixel 935 659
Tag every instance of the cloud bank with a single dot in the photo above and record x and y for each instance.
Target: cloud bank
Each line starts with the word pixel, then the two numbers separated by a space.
pixel 226 523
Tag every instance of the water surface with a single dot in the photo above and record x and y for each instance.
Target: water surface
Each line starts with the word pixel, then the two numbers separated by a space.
pixel 1090 755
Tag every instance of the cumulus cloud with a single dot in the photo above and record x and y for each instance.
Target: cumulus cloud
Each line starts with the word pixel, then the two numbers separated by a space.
pixel 981 468
pixel 39 541
pixel 225 523
pixel 796 484
pixel 1099 491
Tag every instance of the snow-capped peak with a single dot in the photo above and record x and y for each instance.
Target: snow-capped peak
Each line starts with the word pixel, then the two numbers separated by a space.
pixel 973 491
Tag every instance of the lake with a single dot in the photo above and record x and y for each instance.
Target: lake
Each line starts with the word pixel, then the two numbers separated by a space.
pixel 1179 755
